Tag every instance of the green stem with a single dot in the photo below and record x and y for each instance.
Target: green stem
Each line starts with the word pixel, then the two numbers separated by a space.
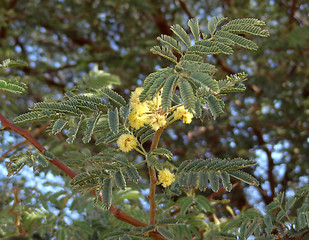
pixel 153 180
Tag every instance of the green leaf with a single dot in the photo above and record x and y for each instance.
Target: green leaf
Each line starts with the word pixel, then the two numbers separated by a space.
pixel 245 29
pixel 268 224
pixel 58 107
pixel 204 203
pixel 107 192
pixel 239 40
pixel 223 48
pixel 13 86
pixel 203 181
pixel 58 126
pixel 73 129
pixel 249 231
pixel 186 94
pixel 243 176
pixel 195 28
pixel 167 92
pixel 36 116
pixel 147 135
pixel 181 33
pixel 214 106
pixel 164 52
pixel 214 181
pixel 214 22
pixel 226 181
pixel 90 127
pixel 113 120
pixel 119 180
pixel 173 43
pixel 165 233
pixel 112 95
pixel 185 203
pixel 162 152
pixel 205 80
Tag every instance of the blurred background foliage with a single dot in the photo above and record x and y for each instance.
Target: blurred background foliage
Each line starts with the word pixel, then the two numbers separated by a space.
pixel 67 41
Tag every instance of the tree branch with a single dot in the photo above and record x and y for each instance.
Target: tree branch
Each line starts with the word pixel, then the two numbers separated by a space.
pixel 119 214
pixel 153 180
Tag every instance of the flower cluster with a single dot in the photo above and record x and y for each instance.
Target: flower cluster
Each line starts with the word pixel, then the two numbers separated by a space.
pixel 148 112
pixel 126 142
pixel 183 114
pixel 166 178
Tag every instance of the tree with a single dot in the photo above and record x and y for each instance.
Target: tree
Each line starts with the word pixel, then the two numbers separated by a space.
pixel 229 136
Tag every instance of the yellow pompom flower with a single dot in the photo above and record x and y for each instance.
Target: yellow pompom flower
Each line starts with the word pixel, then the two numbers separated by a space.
pixel 126 142
pixel 183 114
pixel 157 121
pixel 166 178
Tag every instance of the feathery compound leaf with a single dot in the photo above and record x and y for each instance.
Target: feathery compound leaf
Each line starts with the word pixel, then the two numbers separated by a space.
pixel 205 80
pixel 113 120
pixel 214 22
pixel 167 92
pixel 239 40
pixel 162 152
pixel 197 67
pixel 13 63
pixel 186 94
pixel 90 99
pixel 109 138
pixel 112 95
pixel 195 28
pixel 246 21
pixel 132 173
pixel 90 127
pixel 181 33
pixel 243 176
pixel 185 203
pixel 214 181
pixel 223 48
pixel 203 180
pixel 202 50
pixel 245 29
pixel 158 77
pixel 165 233
pixel 119 180
pixel 192 58
pixel 173 43
pixel 214 106
pixel 164 52
pixel 13 86
pixel 225 177
pixel 107 192
pixel 147 135
pixel 73 129
pixel 192 179
pixel 36 116
pixel 58 126
pixel 204 203
pixel 58 107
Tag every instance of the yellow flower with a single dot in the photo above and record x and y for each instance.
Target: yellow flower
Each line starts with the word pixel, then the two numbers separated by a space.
pixel 137 120
pixel 157 121
pixel 183 114
pixel 166 178
pixel 135 95
pixel 126 142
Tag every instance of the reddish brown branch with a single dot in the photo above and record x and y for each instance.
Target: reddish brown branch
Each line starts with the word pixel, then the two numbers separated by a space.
pixel 153 180
pixel 119 214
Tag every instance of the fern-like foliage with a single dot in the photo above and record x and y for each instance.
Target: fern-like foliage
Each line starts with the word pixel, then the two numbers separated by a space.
pixel 191 73
pixel 12 85
pixel 210 172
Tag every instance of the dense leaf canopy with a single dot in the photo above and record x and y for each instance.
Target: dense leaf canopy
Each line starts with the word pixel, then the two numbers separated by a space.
pixel 69 44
